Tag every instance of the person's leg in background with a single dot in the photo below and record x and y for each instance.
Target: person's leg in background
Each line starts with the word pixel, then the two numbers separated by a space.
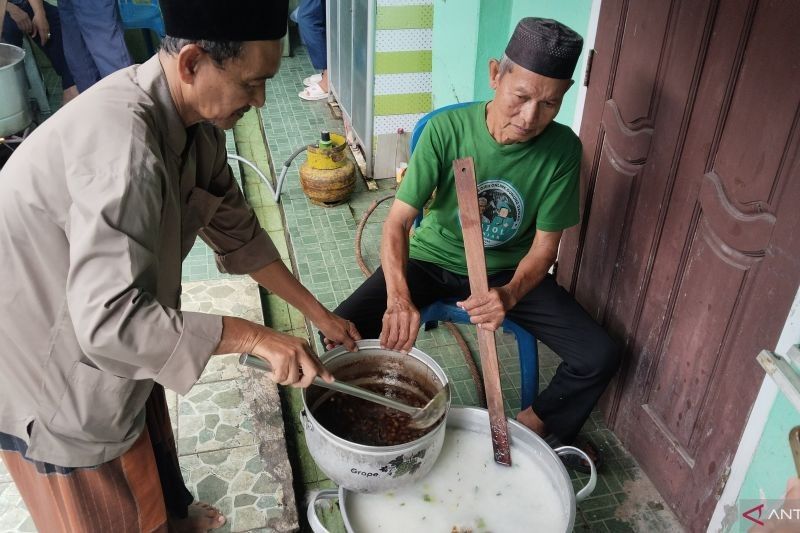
pixel 53 47
pixel 101 29
pixel 78 58
pixel 54 50
pixel 311 23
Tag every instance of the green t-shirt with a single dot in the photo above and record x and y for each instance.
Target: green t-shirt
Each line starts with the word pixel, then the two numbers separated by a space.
pixel 521 187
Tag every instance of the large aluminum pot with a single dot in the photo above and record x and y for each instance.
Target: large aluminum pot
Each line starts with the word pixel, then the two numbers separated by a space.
pixel 362 468
pixel 15 112
pixel 524 442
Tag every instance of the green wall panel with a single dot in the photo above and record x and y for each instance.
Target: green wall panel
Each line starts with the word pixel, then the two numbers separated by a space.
pixel 453 72
pixel 399 62
pixel 494 29
pixel 400 104
pixel 404 17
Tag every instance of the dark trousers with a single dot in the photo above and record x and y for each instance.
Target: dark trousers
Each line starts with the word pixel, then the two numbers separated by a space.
pixel 53 49
pixel 589 356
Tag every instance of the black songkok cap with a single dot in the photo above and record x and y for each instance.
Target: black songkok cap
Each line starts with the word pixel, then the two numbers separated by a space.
pixel 225 20
pixel 546 47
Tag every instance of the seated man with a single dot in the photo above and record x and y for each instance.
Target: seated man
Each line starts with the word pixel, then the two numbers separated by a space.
pixel 527 168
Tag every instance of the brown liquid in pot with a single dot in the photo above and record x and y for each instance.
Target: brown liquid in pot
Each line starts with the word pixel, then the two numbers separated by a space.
pixel 368 423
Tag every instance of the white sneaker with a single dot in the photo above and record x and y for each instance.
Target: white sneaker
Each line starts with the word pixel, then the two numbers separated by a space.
pixel 312 80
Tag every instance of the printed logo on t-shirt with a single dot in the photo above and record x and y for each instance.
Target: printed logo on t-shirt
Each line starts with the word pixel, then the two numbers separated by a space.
pixel 501 211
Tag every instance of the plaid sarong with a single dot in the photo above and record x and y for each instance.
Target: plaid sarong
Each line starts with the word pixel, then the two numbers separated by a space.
pixel 135 492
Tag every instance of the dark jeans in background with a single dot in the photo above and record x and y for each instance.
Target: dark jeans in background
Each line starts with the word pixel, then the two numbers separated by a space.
pixel 311 22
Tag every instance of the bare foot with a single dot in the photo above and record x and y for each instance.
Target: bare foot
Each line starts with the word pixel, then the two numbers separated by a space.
pixel 202 517
pixel 530 420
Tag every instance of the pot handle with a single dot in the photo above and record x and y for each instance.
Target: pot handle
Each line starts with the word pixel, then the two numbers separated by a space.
pixel 311 514
pixel 589 487
pixel 307 425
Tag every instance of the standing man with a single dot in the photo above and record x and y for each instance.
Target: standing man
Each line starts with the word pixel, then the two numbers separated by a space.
pixel 528 166
pixel 98 208
pixel 94 41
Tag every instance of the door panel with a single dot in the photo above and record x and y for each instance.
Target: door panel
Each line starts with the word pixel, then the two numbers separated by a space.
pixel 645 26
pixel 616 177
pixel 687 250
pixel 706 293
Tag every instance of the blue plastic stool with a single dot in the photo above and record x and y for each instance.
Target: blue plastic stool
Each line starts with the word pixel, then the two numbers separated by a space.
pixel 144 15
pixel 448 311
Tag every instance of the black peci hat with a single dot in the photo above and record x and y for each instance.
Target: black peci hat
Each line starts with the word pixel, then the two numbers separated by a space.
pixel 225 20
pixel 546 47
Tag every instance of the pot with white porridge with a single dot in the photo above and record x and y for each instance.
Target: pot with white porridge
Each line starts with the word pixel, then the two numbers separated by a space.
pixel 466 491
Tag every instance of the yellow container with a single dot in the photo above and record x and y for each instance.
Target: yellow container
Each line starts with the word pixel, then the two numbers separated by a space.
pixel 328 176
pixel 328 158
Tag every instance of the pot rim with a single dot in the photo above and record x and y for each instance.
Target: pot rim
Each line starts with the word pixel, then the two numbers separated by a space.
pixel 374 344
pixel 18 50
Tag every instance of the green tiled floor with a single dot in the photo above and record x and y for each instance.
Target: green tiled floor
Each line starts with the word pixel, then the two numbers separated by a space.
pixel 322 246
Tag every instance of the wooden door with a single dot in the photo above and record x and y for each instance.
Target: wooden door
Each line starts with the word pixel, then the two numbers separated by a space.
pixel 689 247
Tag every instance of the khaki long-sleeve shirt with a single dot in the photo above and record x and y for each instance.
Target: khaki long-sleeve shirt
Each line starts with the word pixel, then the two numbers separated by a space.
pixel 98 208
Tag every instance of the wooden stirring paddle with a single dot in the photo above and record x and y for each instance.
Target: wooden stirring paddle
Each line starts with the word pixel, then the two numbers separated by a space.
pixel 467 192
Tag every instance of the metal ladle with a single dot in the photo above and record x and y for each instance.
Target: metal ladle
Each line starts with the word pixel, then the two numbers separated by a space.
pixel 421 417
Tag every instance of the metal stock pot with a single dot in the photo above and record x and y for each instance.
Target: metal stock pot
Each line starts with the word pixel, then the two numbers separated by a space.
pixel 365 513
pixel 15 113
pixel 362 468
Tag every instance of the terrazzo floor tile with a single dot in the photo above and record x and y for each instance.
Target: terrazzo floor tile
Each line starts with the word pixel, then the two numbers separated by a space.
pixel 236 480
pixel 5 477
pixel 213 416
pixel 14 515
pixel 235 297
pixel 222 368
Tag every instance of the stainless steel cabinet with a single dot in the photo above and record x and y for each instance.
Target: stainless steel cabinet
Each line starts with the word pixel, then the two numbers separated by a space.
pixel 351 45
